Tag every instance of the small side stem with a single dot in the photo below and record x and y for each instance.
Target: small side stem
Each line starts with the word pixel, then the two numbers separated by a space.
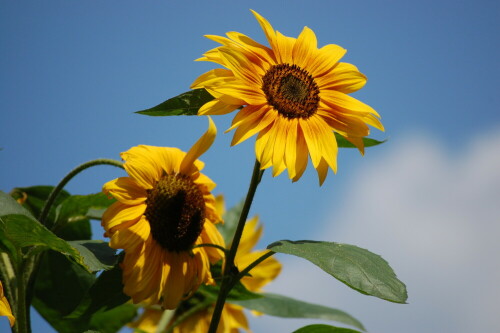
pixel 247 269
pixel 53 195
pixel 230 272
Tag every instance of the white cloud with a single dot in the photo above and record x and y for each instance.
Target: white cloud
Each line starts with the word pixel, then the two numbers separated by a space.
pixel 434 216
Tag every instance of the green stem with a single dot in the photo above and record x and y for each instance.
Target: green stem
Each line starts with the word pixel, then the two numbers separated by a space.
pixel 53 195
pixel 22 324
pixel 27 270
pixel 230 273
pixel 223 249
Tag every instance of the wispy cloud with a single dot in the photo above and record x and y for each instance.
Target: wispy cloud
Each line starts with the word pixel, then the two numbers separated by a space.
pixel 435 217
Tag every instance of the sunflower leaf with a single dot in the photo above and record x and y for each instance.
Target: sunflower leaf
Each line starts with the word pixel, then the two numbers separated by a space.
pixel 80 207
pixel 19 229
pixel 187 103
pixel 282 306
pixel 59 286
pixel 344 143
pixel 33 198
pixel 322 328
pixel 106 293
pixel 360 269
pixel 113 320
pixel 97 254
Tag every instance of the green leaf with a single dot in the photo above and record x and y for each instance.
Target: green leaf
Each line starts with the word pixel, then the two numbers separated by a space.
pixel 344 143
pixel 286 307
pixel 96 253
pixel 230 218
pixel 76 207
pixel 321 328
pixel 59 287
pixel 187 103
pixel 9 206
pixel 34 198
pixel 358 268
pixel 113 320
pixel 106 293
pixel 18 228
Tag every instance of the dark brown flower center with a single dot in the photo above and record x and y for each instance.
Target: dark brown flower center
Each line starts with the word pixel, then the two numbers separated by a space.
pixel 291 91
pixel 176 212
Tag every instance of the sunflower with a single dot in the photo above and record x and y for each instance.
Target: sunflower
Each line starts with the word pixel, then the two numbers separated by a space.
pixel 5 309
pixel 164 210
pixel 232 319
pixel 294 96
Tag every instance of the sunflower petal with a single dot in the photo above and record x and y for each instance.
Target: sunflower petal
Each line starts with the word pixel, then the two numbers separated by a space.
pixel 126 190
pixel 119 213
pixel 305 46
pixel 198 148
pixel 267 28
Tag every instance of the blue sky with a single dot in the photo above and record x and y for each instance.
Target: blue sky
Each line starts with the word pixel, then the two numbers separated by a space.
pixel 73 73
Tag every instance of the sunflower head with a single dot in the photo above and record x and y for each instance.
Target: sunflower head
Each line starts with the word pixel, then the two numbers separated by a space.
pixel 164 210
pixel 233 319
pixel 294 97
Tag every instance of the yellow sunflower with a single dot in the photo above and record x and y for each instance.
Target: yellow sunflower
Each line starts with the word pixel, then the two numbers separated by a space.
pixel 233 318
pixel 294 96
pixel 5 309
pixel 164 209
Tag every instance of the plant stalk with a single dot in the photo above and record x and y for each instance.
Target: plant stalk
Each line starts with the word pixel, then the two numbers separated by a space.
pixel 230 272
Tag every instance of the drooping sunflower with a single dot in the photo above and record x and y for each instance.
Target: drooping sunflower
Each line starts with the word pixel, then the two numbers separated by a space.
pixel 293 94
pixel 233 318
pixel 164 209
pixel 5 309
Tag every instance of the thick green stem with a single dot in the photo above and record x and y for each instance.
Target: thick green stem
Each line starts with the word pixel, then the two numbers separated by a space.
pixel 53 195
pixel 230 273
pixel 21 312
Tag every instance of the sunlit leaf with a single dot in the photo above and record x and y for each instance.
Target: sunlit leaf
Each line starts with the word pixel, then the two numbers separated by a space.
pixel 187 103
pixel 344 143
pixel 358 268
pixel 322 328
pixel 97 254
pixel 282 306
pixel 20 229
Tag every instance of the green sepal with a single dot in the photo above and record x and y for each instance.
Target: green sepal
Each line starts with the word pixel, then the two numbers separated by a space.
pixel 322 328
pixel 187 103
pixel 286 307
pixel 360 269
